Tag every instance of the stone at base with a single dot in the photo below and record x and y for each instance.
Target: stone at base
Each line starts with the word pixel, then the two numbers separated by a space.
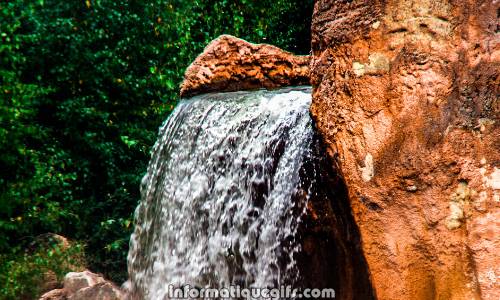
pixel 58 294
pixel 85 285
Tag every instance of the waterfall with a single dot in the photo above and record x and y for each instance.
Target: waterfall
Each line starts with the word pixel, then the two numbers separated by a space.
pixel 222 199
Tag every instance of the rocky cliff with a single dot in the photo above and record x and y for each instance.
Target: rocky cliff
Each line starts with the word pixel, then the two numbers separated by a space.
pixel 232 64
pixel 406 97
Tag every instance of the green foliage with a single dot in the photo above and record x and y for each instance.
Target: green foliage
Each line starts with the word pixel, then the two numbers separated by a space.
pixel 24 273
pixel 84 86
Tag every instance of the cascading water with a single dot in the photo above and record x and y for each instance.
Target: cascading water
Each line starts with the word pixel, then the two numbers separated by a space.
pixel 218 202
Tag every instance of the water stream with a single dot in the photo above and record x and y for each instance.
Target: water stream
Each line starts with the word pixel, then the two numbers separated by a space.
pixel 217 202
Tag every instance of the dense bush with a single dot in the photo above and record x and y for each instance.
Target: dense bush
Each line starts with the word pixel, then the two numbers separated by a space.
pixel 38 266
pixel 84 86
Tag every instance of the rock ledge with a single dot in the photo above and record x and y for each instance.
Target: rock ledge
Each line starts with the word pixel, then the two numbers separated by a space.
pixel 230 64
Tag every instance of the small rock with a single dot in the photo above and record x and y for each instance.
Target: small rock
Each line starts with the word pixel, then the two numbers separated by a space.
pixel 412 188
pixel 75 281
pixel 100 291
pixel 58 294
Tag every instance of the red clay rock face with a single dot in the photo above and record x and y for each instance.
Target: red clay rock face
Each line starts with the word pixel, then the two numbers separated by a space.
pixel 406 97
pixel 232 64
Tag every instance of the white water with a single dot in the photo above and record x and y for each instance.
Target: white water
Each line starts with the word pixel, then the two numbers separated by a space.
pixel 217 202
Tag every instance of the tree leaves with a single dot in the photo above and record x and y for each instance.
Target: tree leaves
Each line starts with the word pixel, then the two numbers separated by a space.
pixel 84 85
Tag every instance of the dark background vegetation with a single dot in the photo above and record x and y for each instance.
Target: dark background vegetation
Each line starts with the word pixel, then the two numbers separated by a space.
pixel 84 85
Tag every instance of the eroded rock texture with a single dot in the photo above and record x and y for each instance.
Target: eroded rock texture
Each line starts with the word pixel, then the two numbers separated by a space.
pixel 406 96
pixel 232 64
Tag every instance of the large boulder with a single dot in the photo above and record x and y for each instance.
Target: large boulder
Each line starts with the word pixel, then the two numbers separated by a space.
pixel 406 97
pixel 232 64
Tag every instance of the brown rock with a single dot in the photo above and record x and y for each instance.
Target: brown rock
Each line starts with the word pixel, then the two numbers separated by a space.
pixel 57 294
pixel 406 97
pixel 74 281
pixel 50 281
pixel 100 291
pixel 85 285
pixel 231 64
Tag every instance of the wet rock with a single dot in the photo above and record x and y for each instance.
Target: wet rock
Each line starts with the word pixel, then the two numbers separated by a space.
pixel 330 240
pixel 402 90
pixel 232 64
